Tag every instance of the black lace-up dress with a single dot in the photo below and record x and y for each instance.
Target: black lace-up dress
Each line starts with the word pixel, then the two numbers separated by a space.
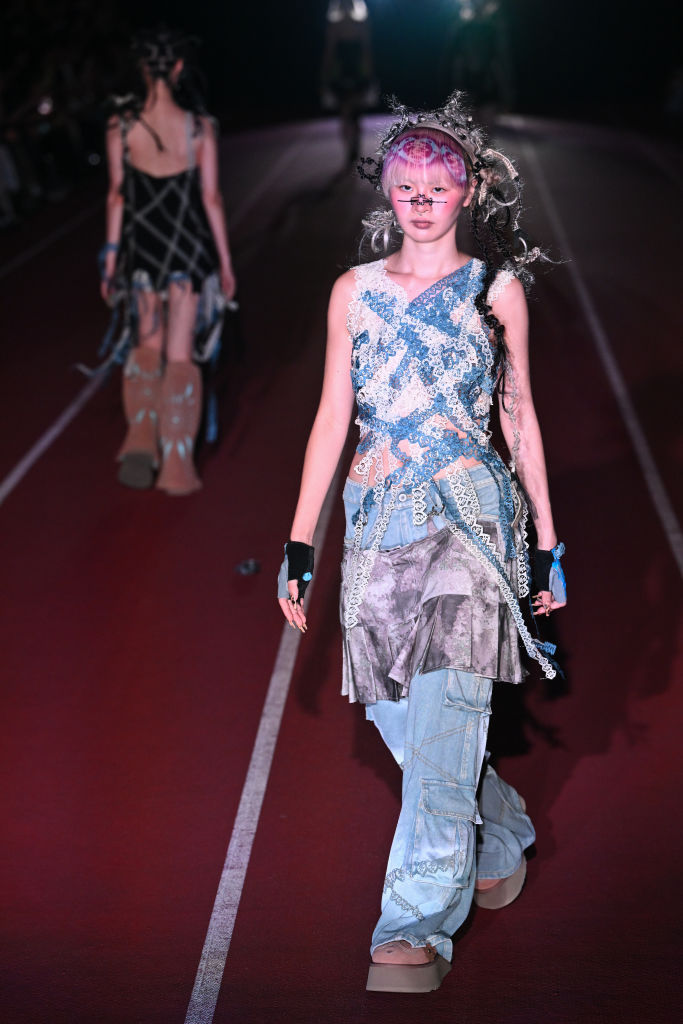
pixel 165 235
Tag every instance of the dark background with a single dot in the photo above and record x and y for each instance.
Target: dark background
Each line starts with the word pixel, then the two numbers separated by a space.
pixel 595 60
pixel 61 61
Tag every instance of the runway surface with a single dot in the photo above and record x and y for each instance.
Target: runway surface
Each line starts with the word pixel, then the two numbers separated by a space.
pixel 136 660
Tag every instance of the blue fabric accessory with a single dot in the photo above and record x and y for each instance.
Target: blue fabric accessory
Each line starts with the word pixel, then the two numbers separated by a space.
pixel 107 247
pixel 557 583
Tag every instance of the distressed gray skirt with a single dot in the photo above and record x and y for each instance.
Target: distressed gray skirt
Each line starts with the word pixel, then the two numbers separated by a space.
pixel 428 603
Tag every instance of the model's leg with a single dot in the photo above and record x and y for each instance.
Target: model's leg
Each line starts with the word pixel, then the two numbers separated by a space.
pixel 430 876
pixel 139 453
pixel 181 395
pixel 504 834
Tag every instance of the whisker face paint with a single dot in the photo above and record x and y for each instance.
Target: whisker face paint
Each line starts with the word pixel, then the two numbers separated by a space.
pixel 421 201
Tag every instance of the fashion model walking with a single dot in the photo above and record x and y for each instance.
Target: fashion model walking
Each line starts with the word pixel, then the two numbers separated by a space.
pixel 436 555
pixel 166 260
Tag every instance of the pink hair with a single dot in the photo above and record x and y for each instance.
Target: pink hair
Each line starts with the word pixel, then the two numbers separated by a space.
pixel 424 150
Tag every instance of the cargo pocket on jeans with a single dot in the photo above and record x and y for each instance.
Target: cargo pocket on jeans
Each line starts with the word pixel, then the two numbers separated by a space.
pixel 443 844
pixel 467 690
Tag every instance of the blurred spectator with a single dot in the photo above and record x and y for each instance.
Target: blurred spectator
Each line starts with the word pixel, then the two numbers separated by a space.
pixel 348 78
pixel 60 59
pixel 477 57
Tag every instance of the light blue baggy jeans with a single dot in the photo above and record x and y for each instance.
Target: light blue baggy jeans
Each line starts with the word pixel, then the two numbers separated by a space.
pixel 456 823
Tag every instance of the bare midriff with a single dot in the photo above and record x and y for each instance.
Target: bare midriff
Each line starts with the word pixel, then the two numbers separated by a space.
pixel 390 463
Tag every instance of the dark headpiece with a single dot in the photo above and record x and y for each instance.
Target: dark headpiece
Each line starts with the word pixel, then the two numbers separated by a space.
pixel 453 119
pixel 160 49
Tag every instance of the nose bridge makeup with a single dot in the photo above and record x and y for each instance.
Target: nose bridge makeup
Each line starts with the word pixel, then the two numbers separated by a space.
pixel 421 200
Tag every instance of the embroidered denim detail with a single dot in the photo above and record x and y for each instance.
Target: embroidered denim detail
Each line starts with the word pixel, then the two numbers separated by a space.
pixel 409 908
pixel 436 850
pixel 420 869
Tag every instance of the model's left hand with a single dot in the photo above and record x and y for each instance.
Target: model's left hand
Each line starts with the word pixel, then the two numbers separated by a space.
pixel 228 283
pixel 544 603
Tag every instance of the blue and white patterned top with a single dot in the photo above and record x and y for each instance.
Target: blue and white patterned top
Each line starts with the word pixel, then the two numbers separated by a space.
pixel 422 372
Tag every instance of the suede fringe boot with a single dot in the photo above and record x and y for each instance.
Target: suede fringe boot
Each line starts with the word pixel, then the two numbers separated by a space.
pixel 180 411
pixel 139 454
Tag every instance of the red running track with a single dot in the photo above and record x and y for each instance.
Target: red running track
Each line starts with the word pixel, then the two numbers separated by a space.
pixel 136 661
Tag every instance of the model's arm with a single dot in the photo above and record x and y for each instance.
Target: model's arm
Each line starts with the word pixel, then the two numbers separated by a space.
pixel 213 204
pixel 518 416
pixel 114 202
pixel 330 427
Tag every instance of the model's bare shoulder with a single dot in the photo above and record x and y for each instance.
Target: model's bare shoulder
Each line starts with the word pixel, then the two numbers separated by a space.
pixel 507 295
pixel 346 282
pixel 342 290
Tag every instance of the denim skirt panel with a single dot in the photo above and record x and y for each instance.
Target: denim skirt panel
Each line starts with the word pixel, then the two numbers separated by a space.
pixel 429 603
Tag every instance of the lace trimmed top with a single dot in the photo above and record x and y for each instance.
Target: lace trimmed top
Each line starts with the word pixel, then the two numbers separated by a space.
pixel 423 374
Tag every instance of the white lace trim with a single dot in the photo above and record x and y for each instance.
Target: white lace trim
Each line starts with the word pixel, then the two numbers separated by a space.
pixel 500 283
pixel 461 488
pixel 363 559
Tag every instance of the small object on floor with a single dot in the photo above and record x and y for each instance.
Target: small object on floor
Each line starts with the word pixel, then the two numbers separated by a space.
pixel 504 892
pixel 249 567
pixel 137 470
pixel 407 977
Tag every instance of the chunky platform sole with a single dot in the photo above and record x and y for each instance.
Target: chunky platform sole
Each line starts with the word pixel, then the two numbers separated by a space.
pixel 137 470
pixel 507 890
pixel 407 977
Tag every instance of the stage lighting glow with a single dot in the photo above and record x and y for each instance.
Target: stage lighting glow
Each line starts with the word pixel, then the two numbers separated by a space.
pixel 468 10
pixel 357 10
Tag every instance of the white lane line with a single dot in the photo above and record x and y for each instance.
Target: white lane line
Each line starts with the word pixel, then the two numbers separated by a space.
pixel 54 236
pixel 655 484
pixel 207 984
pixel 15 475
pixel 43 443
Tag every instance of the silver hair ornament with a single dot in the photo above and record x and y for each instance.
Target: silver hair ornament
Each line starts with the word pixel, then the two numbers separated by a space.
pixel 380 223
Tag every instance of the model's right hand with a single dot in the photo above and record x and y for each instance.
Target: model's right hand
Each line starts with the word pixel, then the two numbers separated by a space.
pixel 293 609
pixel 228 283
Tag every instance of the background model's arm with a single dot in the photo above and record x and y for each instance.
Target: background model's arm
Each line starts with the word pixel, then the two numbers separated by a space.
pixel 332 420
pixel 213 204
pixel 114 201
pixel 517 414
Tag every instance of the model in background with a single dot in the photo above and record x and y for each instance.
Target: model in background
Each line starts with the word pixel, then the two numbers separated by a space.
pixel 167 258
pixel 348 83
pixel 436 556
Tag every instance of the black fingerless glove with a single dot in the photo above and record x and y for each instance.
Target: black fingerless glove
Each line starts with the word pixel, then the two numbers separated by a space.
pixel 548 574
pixel 299 559
pixel 543 561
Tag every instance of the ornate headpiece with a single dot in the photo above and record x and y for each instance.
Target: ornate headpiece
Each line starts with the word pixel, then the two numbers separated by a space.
pixel 496 201
pixel 497 178
pixel 452 119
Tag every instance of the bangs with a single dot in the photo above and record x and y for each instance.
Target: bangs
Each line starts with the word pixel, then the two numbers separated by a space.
pixel 424 151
